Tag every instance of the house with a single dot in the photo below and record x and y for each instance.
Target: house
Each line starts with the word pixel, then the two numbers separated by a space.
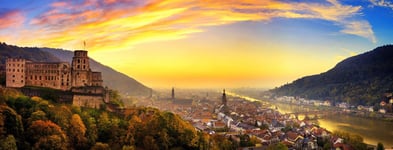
pixel 382 111
pixel 360 107
pixel 371 109
pixel 343 105
pixel 382 103
pixel 327 103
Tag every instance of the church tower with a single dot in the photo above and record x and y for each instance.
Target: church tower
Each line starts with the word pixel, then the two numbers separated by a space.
pixel 80 69
pixel 224 98
pixel 173 94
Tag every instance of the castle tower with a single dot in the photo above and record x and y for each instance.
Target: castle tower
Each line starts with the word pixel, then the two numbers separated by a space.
pixel 15 72
pixel 80 69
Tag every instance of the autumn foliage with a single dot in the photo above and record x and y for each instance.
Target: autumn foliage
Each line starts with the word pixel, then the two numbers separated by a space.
pixel 36 123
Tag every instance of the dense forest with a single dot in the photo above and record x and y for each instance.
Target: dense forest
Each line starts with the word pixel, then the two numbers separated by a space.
pixel 36 123
pixel 112 78
pixel 361 79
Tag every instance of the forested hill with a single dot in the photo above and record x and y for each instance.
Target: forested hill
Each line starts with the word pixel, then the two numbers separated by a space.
pixel 361 79
pixel 112 79
pixel 33 54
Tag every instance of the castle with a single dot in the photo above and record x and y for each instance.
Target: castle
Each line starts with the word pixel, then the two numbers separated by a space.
pixel 78 78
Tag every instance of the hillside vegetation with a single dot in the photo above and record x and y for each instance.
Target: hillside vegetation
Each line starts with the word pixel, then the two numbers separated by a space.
pixel 36 123
pixel 361 79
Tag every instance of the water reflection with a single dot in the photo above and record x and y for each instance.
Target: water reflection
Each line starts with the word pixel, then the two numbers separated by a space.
pixel 372 131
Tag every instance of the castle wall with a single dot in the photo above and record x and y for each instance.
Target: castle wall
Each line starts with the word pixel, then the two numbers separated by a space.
pixel 92 101
pixel 96 79
pixel 15 72
pixel 89 90
pixel 74 83
pixel 51 75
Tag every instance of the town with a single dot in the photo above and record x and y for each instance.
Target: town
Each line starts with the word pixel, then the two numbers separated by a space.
pixel 253 124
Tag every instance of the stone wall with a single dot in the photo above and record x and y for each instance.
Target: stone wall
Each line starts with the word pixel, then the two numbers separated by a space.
pixel 85 100
pixel 50 94
pixel 96 79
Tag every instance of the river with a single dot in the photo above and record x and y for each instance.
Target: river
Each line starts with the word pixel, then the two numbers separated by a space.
pixel 372 131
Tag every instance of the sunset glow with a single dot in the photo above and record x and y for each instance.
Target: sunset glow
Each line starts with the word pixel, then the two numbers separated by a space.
pixel 204 43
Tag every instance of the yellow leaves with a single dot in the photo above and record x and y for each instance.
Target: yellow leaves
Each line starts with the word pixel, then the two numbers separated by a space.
pixel 77 125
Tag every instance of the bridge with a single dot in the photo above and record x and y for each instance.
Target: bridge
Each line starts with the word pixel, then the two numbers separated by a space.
pixel 312 115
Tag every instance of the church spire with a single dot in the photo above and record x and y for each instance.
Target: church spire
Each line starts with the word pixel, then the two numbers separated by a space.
pixel 173 93
pixel 224 98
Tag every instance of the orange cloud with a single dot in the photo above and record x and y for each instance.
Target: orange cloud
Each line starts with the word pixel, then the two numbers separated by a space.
pixel 102 23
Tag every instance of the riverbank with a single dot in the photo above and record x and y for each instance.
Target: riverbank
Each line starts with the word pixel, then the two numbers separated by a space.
pixel 372 130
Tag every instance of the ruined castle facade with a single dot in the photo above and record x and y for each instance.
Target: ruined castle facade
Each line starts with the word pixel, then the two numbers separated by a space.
pixel 85 84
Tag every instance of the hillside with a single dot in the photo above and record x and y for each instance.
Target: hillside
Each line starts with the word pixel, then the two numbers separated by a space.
pixel 33 54
pixel 112 79
pixel 36 123
pixel 361 79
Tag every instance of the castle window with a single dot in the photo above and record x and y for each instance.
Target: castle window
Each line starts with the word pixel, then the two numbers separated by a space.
pixel 84 67
pixel 22 65
pixel 13 70
pixel 79 61
pixel 18 65
pixel 84 60
pixel 17 70
pixel 21 70
pixel 21 81
pixel 40 77
pixel 78 66
pixel 13 81
pixel 13 76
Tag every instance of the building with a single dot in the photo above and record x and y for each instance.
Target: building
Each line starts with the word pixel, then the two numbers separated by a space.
pixel 173 93
pixel 86 85
pixel 224 98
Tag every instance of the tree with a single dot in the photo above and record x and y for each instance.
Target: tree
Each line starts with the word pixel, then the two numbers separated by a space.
pixel 37 115
pixel 10 122
pixel 9 143
pixel 46 135
pixel 149 143
pixel 100 146
pixel 380 146
pixel 77 132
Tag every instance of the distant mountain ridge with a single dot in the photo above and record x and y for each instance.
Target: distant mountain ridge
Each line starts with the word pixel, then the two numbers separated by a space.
pixel 361 79
pixel 112 78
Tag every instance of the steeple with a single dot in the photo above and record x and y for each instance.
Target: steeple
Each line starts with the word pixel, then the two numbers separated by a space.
pixel 224 98
pixel 173 93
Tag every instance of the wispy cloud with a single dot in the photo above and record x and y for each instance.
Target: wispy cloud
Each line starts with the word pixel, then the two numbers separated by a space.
pixel 129 22
pixel 382 3
pixel 11 19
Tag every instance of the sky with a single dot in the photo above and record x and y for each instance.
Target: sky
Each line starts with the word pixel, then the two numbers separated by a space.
pixel 204 43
